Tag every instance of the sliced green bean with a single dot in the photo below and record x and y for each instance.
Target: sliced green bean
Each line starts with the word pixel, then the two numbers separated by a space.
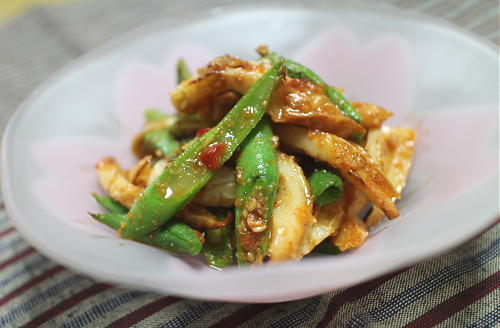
pixel 183 71
pixel 326 247
pixel 327 187
pixel 218 248
pixel 186 125
pixel 110 204
pixel 179 125
pixel 160 143
pixel 153 115
pixel 299 71
pixel 188 173
pixel 256 187
pixel 174 237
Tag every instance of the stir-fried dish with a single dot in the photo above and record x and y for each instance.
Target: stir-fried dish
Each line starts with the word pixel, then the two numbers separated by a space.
pixel 263 162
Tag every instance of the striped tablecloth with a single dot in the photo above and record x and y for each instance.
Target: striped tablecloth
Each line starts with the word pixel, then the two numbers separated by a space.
pixel 456 289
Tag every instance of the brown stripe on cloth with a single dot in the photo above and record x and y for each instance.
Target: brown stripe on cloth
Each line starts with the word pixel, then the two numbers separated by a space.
pixel 456 303
pixel 439 8
pixel 354 293
pixel 488 25
pixel 141 313
pixel 31 283
pixel 351 294
pixel 407 3
pixel 7 231
pixel 67 304
pixel 474 12
pixel 244 314
pixel 16 257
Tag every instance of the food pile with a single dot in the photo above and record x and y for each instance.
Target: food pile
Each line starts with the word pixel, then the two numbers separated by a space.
pixel 263 162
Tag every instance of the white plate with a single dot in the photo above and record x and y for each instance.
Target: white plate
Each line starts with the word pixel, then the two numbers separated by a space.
pixel 436 79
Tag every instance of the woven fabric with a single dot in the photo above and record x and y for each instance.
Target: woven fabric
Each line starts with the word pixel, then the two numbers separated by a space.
pixel 456 289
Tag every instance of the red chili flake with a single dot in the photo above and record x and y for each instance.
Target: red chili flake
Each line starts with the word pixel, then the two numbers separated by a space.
pixel 201 132
pixel 210 157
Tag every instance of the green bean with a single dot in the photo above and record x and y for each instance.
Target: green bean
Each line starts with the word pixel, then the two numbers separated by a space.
pixel 299 71
pixel 327 187
pixel 174 237
pixel 183 71
pixel 186 125
pixel 256 186
pixel 218 248
pixel 153 115
pixel 110 204
pixel 326 247
pixel 160 143
pixel 179 125
pixel 188 173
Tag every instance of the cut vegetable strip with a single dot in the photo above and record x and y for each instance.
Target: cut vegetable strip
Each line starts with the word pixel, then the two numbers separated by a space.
pixel 114 182
pixel 326 186
pixel 305 103
pixel 292 213
pixel 352 162
pixel 110 204
pixel 372 115
pixel 183 71
pixel 220 191
pixel 400 144
pixel 256 186
pixel 296 101
pixel 202 219
pixel 352 233
pixel 328 219
pixel 217 248
pixel 184 177
pixel 153 115
pixel 159 143
pixel 174 237
pixel 326 247
pixel 299 71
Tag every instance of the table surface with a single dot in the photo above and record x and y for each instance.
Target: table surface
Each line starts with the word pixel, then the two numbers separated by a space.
pixel 456 289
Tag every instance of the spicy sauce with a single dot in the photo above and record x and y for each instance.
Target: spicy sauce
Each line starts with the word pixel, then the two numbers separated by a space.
pixel 211 156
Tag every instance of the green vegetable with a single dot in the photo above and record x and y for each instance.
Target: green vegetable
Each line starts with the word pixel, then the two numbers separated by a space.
pixel 299 71
pixel 174 237
pixel 110 204
pixel 327 187
pixel 186 125
pixel 153 115
pixel 179 125
pixel 183 71
pixel 218 249
pixel 326 247
pixel 160 143
pixel 188 173
pixel 256 186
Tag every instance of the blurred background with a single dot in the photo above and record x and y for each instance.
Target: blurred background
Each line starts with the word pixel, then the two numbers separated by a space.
pixel 37 37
